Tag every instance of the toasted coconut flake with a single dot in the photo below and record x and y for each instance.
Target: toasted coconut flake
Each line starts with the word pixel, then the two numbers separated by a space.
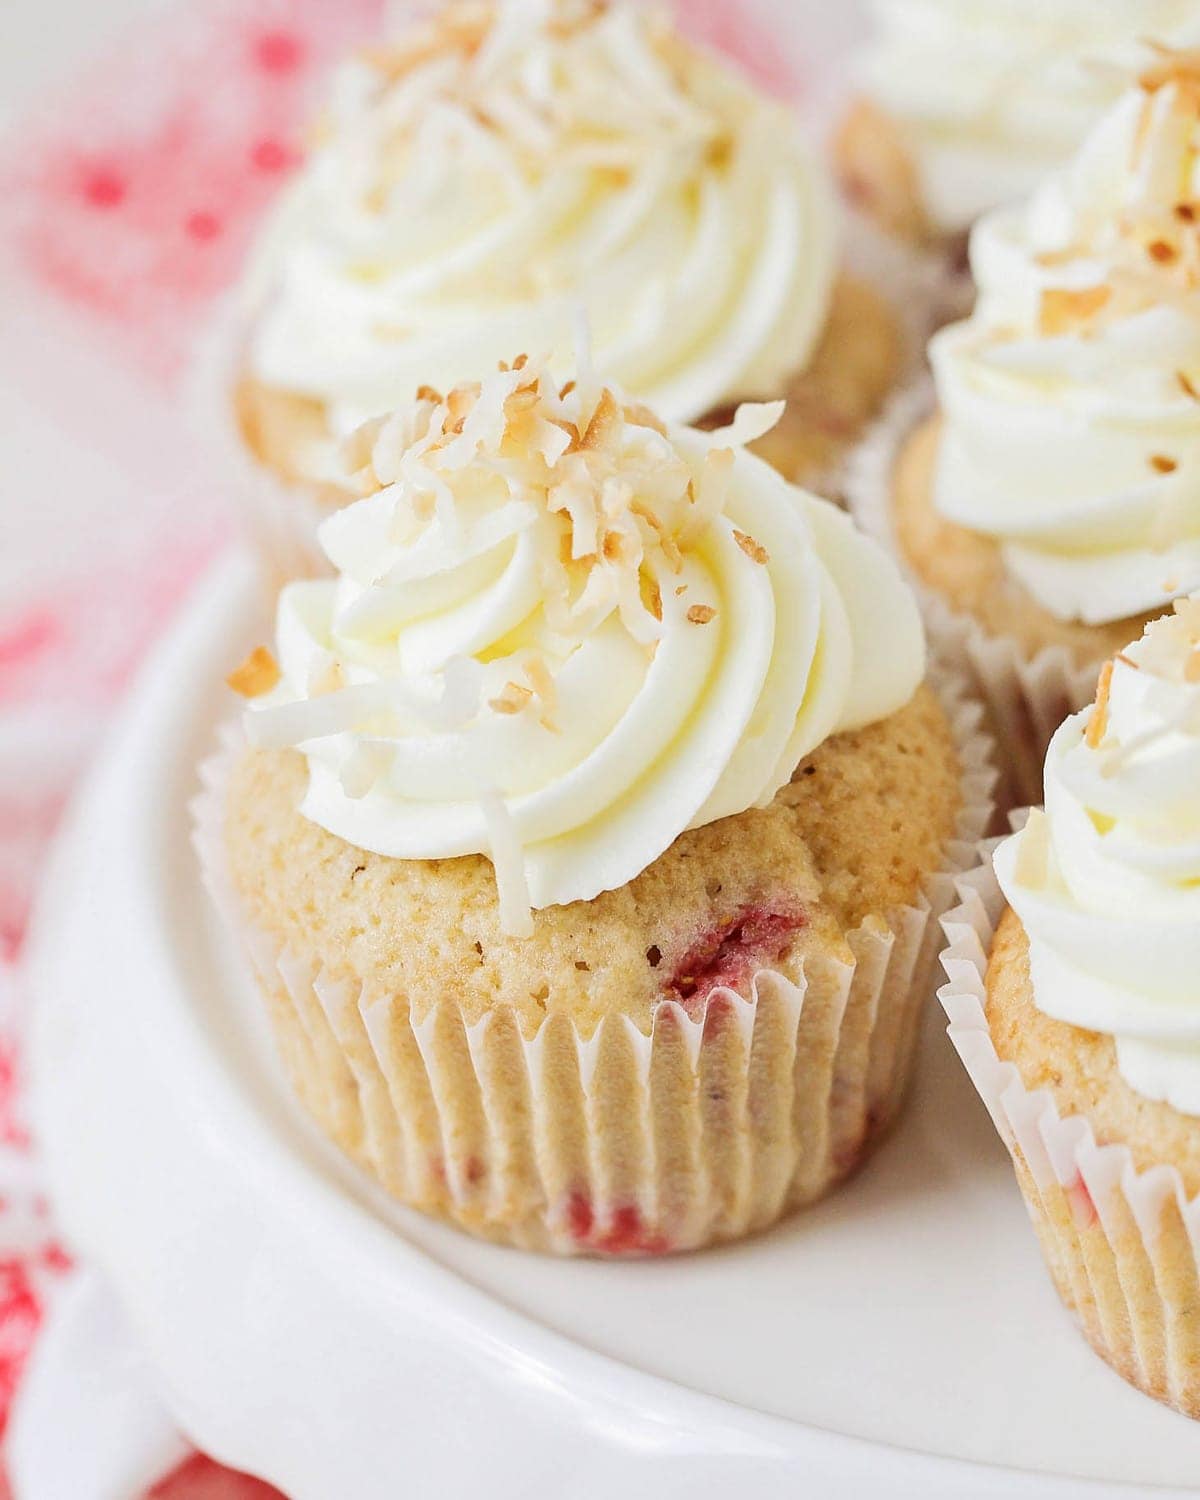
pixel 1098 723
pixel 1186 385
pixel 701 614
pixel 428 393
pixel 603 420
pixel 1162 251
pixel 1161 464
pixel 751 421
pixel 1064 309
pixel 327 678
pixel 513 700
pixel 1174 65
pixel 570 429
pixel 460 403
pixel 638 415
pixel 257 675
pixel 541 680
pixel 753 550
pixel 508 861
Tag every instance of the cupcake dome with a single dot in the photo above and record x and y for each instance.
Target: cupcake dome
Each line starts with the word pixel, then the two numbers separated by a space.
pixel 965 106
pixel 1086 1048
pixel 591 822
pixel 480 183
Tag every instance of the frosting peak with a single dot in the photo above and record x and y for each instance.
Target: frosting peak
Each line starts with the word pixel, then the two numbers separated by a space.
pixel 563 632
pixel 479 179
pixel 1107 880
pixel 1072 394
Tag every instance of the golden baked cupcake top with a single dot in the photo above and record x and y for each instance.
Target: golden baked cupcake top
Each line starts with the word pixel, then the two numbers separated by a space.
pixel 563 632
pixel 479 178
pixel 1106 881
pixel 1071 396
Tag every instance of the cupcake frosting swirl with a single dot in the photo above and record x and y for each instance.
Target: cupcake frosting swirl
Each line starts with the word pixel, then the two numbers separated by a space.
pixel 1107 881
pixel 1071 397
pixel 481 179
pixel 562 633
pixel 993 96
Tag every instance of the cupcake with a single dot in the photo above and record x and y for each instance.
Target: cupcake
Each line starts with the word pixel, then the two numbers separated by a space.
pixel 478 184
pixel 1050 505
pixel 1084 1038
pixel 964 107
pixel 590 828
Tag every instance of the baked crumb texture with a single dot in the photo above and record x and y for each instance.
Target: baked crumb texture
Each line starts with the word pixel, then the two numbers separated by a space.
pixel 857 363
pixel 1029 669
pixel 672 1064
pixel 1118 1246
pixel 878 175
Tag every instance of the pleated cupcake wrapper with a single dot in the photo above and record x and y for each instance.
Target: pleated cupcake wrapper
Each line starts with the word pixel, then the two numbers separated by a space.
pixel 1122 1245
pixel 1026 696
pixel 279 518
pixel 917 283
pixel 617 1141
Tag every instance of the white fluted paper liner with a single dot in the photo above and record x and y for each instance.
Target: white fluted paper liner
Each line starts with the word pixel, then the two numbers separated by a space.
pixel 705 1128
pixel 1026 696
pixel 279 517
pixel 915 281
pixel 1122 1245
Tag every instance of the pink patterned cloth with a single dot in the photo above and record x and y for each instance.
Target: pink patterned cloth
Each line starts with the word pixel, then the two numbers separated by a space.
pixel 126 205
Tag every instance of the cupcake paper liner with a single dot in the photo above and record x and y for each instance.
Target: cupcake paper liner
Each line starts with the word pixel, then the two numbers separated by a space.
pixel 1026 696
pixel 707 1127
pixel 279 518
pixel 1122 1246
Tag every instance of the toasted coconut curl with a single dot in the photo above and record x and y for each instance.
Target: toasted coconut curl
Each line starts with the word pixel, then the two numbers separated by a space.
pixel 257 675
pixel 623 505
pixel 1098 723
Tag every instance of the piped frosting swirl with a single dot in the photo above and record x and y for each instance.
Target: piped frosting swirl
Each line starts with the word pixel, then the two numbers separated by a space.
pixel 1071 397
pixel 563 632
pixel 479 180
pixel 1107 881
pixel 991 97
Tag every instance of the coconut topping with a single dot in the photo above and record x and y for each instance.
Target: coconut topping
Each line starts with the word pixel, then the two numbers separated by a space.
pixel 1071 433
pixel 510 660
pixel 481 177
pixel 1110 873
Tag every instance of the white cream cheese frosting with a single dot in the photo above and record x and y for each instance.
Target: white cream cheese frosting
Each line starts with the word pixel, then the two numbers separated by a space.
pixel 562 633
pixel 1071 396
pixel 1107 881
pixel 481 180
pixel 991 96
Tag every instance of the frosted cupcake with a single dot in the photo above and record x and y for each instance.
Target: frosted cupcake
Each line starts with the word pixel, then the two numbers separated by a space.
pixel 480 182
pixel 1087 1045
pixel 1052 504
pixel 594 823
pixel 965 106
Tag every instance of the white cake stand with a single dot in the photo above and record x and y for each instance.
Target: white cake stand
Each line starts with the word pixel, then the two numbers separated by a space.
pixel 901 1340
